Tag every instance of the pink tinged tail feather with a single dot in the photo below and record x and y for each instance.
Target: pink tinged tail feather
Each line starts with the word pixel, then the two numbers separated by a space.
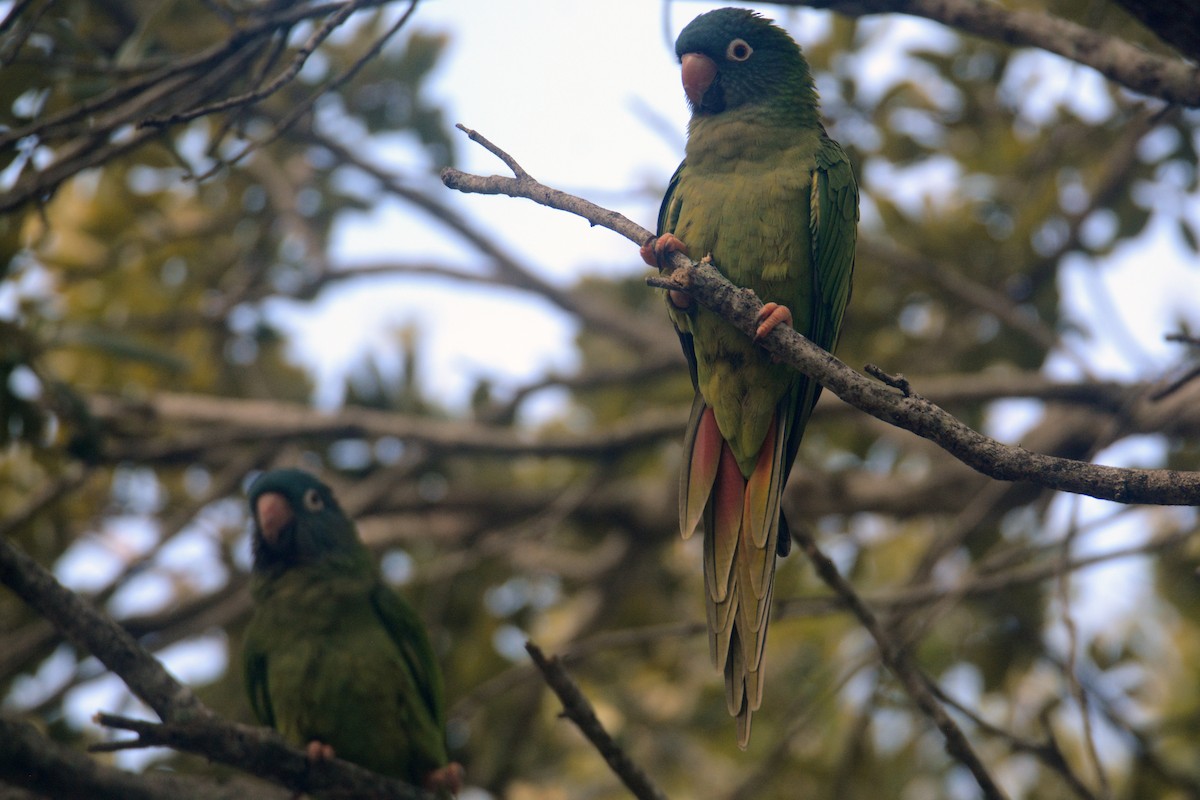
pixel 741 529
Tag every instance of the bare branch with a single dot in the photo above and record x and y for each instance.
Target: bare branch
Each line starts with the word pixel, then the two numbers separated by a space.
pixel 30 760
pixel 94 631
pixel 263 752
pixel 231 421
pixel 1173 80
pixel 911 412
pixel 577 709
pixel 914 681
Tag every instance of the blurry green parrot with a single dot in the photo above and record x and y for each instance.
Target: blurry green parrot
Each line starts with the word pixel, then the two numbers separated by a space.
pixel 334 659
pixel 766 192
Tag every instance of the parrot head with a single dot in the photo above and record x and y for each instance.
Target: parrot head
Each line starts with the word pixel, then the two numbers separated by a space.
pixel 297 521
pixel 733 57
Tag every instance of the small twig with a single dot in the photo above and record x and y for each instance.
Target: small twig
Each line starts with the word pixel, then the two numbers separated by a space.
pixel 477 137
pixel 896 381
pixel 286 76
pixel 577 709
pixel 896 660
pixel 1175 385
pixel 1183 338
pixel 300 109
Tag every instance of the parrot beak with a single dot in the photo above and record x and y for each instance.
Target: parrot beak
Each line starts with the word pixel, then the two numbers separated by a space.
pixel 698 74
pixel 273 514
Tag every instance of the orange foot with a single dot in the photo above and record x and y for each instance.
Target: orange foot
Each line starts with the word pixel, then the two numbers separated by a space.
pixel 446 779
pixel 770 316
pixel 318 751
pixel 656 252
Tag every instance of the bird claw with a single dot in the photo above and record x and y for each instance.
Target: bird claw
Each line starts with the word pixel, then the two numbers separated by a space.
pixel 318 751
pixel 446 779
pixel 656 253
pixel 770 316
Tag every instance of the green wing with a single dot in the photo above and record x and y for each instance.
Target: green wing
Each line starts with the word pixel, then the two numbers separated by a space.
pixel 833 222
pixel 406 630
pixel 833 225
pixel 668 212
pixel 254 672
pixel 668 218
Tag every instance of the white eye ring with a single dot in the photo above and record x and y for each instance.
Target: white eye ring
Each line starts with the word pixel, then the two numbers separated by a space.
pixel 313 501
pixel 739 50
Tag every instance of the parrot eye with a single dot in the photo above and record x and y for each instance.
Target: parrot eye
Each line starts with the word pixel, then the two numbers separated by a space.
pixel 738 50
pixel 313 501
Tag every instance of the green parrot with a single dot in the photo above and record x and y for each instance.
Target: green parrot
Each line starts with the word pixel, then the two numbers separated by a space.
pixel 334 659
pixel 766 192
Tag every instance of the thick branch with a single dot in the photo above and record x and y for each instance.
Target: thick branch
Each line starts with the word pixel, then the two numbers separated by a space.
pixel 262 752
pixel 92 630
pixel 903 409
pixel 914 413
pixel 30 760
pixel 1173 80
pixel 577 709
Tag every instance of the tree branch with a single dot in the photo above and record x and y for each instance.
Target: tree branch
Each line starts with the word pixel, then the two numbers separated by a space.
pixel 1173 80
pixel 262 752
pixel 906 410
pixel 577 709
pixel 92 630
pixel 30 760
pixel 235 421
pixel 914 681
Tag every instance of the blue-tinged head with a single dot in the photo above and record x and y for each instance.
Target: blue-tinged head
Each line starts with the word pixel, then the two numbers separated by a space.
pixel 297 521
pixel 734 57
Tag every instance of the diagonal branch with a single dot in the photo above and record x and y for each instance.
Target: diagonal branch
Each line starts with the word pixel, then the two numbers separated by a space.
pixel 92 630
pixel 30 760
pixel 577 709
pixel 262 752
pixel 1172 79
pixel 894 404
pixel 897 660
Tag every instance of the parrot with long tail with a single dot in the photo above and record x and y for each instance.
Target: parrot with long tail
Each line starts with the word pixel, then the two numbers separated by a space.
pixel 773 200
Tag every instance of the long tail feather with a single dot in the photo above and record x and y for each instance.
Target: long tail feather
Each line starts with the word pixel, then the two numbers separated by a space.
pixel 702 453
pixel 741 529
pixel 723 522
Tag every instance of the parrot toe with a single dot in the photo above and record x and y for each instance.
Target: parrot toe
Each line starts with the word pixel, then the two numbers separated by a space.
pixel 771 316
pixel 657 251
pixel 318 751
pixel 446 779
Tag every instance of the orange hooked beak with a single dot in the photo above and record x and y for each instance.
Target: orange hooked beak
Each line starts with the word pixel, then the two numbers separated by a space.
pixel 272 513
pixel 698 74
